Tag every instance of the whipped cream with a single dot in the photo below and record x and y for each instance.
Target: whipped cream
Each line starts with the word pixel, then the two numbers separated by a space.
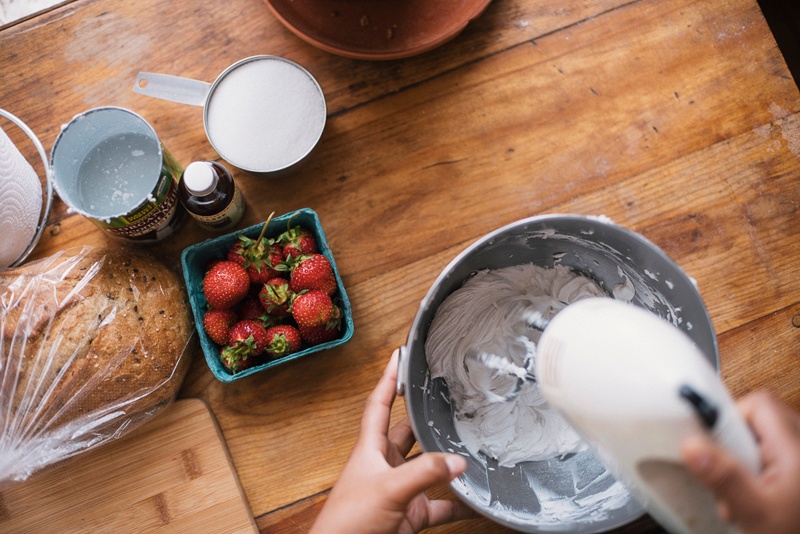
pixel 490 314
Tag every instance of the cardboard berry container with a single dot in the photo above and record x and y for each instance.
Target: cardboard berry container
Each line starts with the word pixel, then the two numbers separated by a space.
pixel 195 259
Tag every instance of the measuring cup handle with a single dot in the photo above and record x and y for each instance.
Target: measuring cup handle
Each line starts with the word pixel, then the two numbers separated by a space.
pixel 172 88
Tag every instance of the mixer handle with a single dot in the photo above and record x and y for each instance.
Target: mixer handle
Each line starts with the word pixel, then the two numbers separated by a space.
pixel 707 412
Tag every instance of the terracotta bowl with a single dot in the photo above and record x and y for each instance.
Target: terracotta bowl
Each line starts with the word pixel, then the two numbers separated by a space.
pixel 376 29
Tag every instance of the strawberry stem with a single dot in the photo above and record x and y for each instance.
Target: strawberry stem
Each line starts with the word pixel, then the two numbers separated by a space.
pixel 263 230
pixel 289 222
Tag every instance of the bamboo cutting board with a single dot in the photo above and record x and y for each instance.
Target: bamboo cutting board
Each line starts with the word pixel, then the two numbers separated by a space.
pixel 173 474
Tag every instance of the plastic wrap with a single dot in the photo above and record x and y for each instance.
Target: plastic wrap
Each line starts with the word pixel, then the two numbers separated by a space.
pixel 94 343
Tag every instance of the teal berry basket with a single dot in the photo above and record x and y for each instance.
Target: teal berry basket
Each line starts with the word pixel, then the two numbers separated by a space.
pixel 195 258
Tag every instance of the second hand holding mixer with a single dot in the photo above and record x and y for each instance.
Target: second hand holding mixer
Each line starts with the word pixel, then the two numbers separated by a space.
pixel 636 387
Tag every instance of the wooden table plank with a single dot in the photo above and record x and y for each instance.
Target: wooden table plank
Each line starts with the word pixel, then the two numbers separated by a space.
pixel 87 53
pixel 677 119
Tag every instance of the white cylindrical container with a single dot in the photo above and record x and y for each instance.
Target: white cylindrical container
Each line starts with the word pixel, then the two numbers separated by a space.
pixel 26 198
pixel 109 166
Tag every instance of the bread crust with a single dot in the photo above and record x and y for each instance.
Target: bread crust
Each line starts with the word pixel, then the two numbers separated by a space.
pixel 94 340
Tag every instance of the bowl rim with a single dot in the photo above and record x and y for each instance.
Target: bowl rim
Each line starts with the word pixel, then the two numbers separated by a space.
pixel 322 40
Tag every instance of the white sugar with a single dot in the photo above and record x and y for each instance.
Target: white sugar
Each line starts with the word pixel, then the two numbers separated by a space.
pixel 265 115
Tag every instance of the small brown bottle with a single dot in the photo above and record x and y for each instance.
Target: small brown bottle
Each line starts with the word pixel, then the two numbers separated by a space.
pixel 207 191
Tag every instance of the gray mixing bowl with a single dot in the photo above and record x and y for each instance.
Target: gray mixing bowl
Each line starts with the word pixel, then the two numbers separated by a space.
pixel 530 497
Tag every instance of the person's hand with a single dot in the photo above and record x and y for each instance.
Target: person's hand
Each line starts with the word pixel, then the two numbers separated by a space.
pixel 763 503
pixel 378 491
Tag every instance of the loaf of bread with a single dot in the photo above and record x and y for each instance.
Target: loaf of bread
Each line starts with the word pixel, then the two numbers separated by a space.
pixel 94 343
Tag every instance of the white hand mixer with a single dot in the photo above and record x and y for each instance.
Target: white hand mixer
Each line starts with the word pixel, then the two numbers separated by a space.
pixel 635 387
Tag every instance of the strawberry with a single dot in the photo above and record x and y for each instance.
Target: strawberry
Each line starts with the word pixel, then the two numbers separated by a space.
pixel 312 271
pixel 218 323
pixel 236 252
pixel 258 256
pixel 211 263
pixel 234 362
pixel 250 308
pixel 225 285
pixel 315 308
pixel 276 297
pixel 297 241
pixel 261 271
pixel 248 339
pixel 283 340
pixel 315 335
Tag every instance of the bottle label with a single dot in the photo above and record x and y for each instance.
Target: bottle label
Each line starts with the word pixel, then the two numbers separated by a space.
pixel 157 217
pixel 228 217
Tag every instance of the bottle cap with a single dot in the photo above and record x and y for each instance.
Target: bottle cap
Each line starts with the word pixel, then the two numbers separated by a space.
pixel 200 178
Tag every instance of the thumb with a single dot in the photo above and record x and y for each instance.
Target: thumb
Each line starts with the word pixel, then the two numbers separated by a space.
pixel 427 470
pixel 731 483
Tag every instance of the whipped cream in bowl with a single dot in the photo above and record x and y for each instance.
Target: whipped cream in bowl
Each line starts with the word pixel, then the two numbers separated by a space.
pixel 528 468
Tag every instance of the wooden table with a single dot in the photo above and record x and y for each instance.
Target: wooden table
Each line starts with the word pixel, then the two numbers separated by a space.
pixel 677 119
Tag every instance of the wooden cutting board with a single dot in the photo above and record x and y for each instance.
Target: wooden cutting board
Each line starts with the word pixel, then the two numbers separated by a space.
pixel 173 474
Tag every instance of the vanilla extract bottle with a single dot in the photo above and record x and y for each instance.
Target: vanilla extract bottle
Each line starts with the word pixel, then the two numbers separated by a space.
pixel 210 195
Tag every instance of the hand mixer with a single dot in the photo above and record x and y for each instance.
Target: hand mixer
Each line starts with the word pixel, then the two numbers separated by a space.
pixel 635 387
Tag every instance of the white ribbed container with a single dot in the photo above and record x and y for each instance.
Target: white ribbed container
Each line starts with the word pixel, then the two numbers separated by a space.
pixel 26 197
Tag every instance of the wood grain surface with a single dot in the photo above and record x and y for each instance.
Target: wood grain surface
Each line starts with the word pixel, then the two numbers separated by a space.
pixel 677 119
pixel 172 475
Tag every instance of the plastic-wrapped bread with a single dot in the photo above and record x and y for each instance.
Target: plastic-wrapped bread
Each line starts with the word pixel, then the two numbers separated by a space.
pixel 94 343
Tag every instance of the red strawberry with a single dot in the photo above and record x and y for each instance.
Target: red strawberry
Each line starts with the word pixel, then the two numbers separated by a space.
pixel 211 263
pixel 315 308
pixel 250 308
pixel 297 241
pixel 225 285
pixel 218 323
pixel 236 253
pixel 259 256
pixel 276 297
pixel 315 335
pixel 263 269
pixel 248 339
pixel 283 340
pixel 235 362
pixel 312 271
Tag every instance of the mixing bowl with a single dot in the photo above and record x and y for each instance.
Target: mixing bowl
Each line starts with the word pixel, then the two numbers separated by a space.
pixel 574 493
